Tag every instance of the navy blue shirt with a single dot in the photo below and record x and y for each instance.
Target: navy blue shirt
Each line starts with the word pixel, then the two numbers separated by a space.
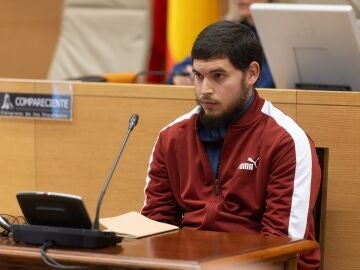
pixel 213 139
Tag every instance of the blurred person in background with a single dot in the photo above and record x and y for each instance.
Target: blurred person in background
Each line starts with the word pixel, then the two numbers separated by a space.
pixel 181 73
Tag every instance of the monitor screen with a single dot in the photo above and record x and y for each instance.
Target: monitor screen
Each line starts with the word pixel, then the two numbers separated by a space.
pixel 310 46
pixel 54 209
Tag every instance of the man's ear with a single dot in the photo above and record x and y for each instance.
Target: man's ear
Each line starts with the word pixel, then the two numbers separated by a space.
pixel 253 73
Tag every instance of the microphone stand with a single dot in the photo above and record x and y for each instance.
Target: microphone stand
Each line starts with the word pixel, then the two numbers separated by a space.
pixel 132 123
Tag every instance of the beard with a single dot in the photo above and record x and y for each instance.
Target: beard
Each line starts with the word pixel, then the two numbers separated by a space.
pixel 231 114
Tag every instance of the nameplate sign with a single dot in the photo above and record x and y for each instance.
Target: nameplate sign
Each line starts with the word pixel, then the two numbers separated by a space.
pixel 43 106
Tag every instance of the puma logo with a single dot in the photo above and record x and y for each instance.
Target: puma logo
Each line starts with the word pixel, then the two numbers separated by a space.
pixel 253 161
pixel 250 165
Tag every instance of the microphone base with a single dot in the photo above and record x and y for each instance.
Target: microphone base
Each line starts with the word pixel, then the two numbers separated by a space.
pixel 64 237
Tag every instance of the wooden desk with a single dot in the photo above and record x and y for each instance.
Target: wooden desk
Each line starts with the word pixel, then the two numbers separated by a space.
pixel 183 249
pixel 75 157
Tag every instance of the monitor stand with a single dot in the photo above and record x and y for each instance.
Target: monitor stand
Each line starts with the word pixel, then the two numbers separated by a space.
pixel 327 87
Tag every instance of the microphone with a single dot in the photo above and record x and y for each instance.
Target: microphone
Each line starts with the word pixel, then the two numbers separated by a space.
pixel 132 123
pixel 129 77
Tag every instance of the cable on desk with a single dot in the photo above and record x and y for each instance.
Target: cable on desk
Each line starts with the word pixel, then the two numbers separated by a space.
pixel 6 222
pixel 51 262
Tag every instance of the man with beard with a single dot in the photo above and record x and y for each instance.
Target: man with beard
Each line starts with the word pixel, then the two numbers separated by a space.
pixel 235 163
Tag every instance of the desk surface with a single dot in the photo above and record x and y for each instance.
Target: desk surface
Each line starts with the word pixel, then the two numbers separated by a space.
pixel 183 249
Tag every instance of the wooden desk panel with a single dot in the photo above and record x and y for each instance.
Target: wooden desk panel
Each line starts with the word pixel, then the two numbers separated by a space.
pixel 337 127
pixel 342 240
pixel 17 161
pixel 336 98
pixel 76 156
pixel 183 249
pixel 280 96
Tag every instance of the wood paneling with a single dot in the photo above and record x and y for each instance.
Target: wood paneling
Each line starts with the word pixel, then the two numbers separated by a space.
pixel 29 32
pixel 337 127
pixel 17 161
pixel 75 157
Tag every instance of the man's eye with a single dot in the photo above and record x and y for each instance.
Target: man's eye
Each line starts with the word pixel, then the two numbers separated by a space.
pixel 218 75
pixel 197 75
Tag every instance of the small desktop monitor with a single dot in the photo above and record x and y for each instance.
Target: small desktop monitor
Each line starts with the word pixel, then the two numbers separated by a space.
pixel 54 209
pixel 310 46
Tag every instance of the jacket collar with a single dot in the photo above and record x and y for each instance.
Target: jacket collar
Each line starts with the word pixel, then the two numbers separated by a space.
pixel 252 114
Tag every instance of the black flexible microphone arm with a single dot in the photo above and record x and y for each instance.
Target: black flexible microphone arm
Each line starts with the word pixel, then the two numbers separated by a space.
pixel 159 73
pixel 132 123
pixel 5 224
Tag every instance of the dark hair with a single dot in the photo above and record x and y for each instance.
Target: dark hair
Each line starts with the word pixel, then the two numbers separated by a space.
pixel 228 39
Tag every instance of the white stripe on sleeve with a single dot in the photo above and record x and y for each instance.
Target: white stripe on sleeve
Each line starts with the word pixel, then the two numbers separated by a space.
pixel 303 171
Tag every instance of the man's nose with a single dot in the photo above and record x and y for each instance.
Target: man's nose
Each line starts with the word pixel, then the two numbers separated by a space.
pixel 206 88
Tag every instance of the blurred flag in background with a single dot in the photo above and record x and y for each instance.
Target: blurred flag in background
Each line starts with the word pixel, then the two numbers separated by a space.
pixel 185 19
pixel 175 25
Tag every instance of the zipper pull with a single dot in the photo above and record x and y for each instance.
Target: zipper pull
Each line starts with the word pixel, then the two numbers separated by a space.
pixel 217 186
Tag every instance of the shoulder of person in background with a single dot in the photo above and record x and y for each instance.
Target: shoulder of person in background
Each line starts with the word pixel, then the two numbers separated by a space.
pixel 265 79
pixel 181 74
